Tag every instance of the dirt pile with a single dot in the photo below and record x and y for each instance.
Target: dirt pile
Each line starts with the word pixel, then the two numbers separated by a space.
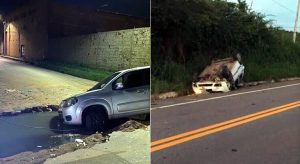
pixel 43 108
pixel 132 125
pixel 88 142
pixel 96 138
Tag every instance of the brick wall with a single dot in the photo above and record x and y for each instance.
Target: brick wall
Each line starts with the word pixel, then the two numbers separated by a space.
pixel 114 50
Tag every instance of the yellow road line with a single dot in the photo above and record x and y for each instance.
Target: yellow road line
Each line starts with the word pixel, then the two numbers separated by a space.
pixel 187 136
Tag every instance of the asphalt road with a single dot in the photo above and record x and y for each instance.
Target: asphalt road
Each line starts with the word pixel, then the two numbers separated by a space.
pixel 201 129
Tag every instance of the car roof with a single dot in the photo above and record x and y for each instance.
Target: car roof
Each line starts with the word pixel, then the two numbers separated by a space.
pixel 134 69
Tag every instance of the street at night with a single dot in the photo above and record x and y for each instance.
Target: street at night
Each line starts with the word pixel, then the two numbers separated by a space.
pixel 150 81
pixel 67 69
pixel 33 135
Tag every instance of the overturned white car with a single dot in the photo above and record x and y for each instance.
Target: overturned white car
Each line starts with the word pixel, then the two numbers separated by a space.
pixel 212 78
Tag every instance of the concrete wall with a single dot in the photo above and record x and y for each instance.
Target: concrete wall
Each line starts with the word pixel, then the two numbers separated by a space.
pixel 1 38
pixel 114 50
pixel 1 47
pixel 71 20
pixel 27 26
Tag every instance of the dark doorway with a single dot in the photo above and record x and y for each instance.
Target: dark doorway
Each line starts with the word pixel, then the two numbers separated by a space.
pixel 5 44
pixel 22 50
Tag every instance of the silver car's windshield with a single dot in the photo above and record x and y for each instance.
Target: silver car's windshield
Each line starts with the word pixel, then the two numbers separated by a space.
pixel 101 84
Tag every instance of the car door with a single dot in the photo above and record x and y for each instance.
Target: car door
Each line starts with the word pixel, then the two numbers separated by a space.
pixel 131 92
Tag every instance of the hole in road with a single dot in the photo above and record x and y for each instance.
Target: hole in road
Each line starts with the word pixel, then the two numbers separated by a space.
pixel 42 130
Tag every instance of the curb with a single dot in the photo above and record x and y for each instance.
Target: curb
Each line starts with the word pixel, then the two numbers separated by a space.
pixel 172 94
pixel 12 58
pixel 38 109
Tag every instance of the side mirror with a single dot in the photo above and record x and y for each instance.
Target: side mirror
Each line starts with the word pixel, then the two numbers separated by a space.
pixel 118 86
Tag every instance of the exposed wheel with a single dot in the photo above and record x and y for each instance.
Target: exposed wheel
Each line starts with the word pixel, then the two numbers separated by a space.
pixel 239 82
pixel 95 121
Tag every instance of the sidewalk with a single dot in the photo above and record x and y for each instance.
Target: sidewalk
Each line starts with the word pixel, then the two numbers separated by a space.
pixel 23 86
pixel 122 148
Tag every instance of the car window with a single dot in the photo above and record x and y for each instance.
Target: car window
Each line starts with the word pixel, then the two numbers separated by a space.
pixel 145 77
pixel 104 82
pixel 134 79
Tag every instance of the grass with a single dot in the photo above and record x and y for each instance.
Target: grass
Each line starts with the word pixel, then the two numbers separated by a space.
pixel 76 70
pixel 171 76
pixel 268 71
pixel 161 86
pixel 280 61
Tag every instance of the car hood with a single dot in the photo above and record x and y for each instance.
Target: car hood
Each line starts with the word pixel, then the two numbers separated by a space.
pixel 87 93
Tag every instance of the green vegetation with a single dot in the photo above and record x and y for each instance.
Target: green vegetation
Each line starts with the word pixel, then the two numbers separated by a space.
pixel 188 34
pixel 76 70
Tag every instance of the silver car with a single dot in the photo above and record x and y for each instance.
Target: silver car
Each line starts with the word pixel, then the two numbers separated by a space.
pixel 123 94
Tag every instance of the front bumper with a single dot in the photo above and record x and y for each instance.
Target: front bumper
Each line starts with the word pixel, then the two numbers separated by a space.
pixel 69 115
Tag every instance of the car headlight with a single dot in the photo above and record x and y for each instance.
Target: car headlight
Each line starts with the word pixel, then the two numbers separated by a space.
pixel 68 102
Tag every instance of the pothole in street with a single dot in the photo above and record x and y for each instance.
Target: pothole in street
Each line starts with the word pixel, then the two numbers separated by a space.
pixel 38 130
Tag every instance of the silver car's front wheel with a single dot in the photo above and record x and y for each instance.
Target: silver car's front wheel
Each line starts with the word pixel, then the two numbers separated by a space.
pixel 95 121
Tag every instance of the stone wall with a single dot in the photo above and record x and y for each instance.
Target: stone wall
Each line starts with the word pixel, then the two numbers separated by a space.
pixel 114 50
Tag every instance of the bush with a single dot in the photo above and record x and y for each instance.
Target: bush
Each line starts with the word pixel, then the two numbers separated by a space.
pixel 187 35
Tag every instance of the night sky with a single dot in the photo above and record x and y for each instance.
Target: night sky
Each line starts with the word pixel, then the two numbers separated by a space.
pixel 139 8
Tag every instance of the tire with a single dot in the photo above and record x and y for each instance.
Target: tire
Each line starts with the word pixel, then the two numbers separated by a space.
pixel 239 82
pixel 95 121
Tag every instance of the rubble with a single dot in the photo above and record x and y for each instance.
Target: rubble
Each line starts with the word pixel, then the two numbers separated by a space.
pixel 46 108
pixel 131 125
pixel 78 143
pixel 79 140
pixel 52 155
pixel 10 90
pixel 167 95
